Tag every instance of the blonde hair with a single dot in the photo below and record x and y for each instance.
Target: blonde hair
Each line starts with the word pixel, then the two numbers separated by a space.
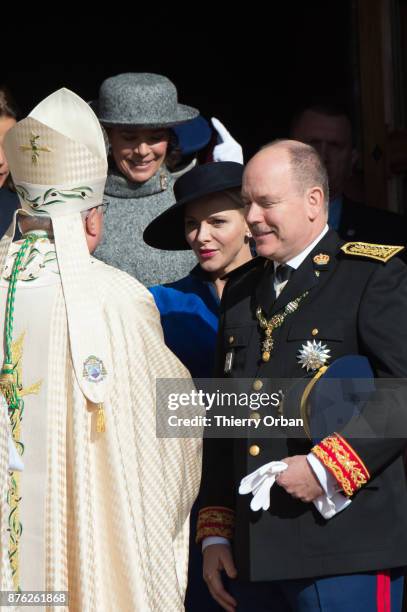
pixel 234 195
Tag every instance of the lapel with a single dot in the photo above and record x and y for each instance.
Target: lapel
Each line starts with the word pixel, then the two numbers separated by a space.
pixel 304 278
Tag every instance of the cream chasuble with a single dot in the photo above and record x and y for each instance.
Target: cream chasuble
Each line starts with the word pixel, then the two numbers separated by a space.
pixel 103 516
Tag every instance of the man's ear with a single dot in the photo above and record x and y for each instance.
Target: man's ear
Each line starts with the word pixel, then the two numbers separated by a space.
pixel 316 201
pixel 92 222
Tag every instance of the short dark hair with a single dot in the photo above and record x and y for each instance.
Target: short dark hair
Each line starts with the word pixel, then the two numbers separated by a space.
pixel 327 107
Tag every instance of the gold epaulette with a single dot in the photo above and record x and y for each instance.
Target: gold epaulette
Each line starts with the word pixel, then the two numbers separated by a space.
pixel 381 252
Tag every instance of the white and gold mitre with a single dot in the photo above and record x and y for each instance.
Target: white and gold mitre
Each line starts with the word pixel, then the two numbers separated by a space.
pixel 57 156
pixel 58 162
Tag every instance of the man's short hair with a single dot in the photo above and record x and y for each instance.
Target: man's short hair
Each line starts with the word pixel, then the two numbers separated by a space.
pixel 36 222
pixel 307 168
pixel 328 108
pixel 39 222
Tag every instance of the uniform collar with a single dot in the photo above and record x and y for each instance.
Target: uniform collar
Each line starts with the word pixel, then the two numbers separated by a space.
pixel 296 261
pixel 305 277
pixel 198 272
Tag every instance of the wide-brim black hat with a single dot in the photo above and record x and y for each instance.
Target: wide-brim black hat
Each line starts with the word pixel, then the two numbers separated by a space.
pixel 167 230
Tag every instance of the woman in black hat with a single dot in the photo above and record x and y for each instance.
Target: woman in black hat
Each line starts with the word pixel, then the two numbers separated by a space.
pixel 209 219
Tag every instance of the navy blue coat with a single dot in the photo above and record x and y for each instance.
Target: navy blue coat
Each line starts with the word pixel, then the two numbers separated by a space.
pixel 189 310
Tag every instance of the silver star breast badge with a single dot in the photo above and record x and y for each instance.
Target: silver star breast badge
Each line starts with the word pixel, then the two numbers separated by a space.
pixel 313 355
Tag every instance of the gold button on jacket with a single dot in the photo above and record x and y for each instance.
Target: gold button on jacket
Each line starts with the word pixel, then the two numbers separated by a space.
pixel 254 450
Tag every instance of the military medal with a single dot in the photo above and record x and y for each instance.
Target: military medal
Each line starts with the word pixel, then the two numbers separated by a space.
pixel 228 362
pixel 268 326
pixel 276 321
pixel 313 355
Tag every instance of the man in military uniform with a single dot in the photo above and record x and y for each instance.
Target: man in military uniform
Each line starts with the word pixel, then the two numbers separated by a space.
pixel 334 299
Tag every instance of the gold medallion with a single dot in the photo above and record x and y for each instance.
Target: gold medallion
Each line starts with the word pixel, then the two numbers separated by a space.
pixel 276 321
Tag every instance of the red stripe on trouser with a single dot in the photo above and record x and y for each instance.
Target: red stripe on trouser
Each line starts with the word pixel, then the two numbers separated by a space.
pixel 383 598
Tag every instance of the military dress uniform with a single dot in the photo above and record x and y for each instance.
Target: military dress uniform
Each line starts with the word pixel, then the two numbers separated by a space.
pixel 353 298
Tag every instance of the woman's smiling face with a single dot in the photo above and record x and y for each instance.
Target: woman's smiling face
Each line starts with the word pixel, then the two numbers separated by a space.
pixel 139 152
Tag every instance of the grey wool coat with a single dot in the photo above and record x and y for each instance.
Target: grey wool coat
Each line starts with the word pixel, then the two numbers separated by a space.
pixel 131 207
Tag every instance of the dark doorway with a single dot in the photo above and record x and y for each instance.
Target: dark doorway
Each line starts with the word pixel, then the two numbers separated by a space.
pixel 251 68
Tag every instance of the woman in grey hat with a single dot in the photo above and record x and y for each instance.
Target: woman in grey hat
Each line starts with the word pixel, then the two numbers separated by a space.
pixel 138 111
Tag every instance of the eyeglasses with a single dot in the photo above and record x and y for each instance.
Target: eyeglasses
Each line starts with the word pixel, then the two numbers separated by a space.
pixel 104 206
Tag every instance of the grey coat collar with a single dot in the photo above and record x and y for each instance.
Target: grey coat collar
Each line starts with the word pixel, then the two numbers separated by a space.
pixel 118 186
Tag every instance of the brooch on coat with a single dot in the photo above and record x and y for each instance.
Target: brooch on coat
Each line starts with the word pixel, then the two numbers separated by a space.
pixel 93 369
pixel 313 355
pixel 276 321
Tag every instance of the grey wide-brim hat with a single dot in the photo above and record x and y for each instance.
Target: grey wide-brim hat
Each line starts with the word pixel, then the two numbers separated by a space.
pixel 141 99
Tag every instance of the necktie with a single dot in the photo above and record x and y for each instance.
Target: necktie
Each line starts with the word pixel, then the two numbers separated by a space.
pixel 283 273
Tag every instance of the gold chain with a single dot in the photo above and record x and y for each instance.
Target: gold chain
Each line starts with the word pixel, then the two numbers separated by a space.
pixel 276 321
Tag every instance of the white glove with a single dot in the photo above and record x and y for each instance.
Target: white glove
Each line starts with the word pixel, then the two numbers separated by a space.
pixel 260 482
pixel 227 149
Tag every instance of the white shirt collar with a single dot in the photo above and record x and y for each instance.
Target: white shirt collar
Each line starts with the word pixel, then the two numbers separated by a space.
pixel 296 261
